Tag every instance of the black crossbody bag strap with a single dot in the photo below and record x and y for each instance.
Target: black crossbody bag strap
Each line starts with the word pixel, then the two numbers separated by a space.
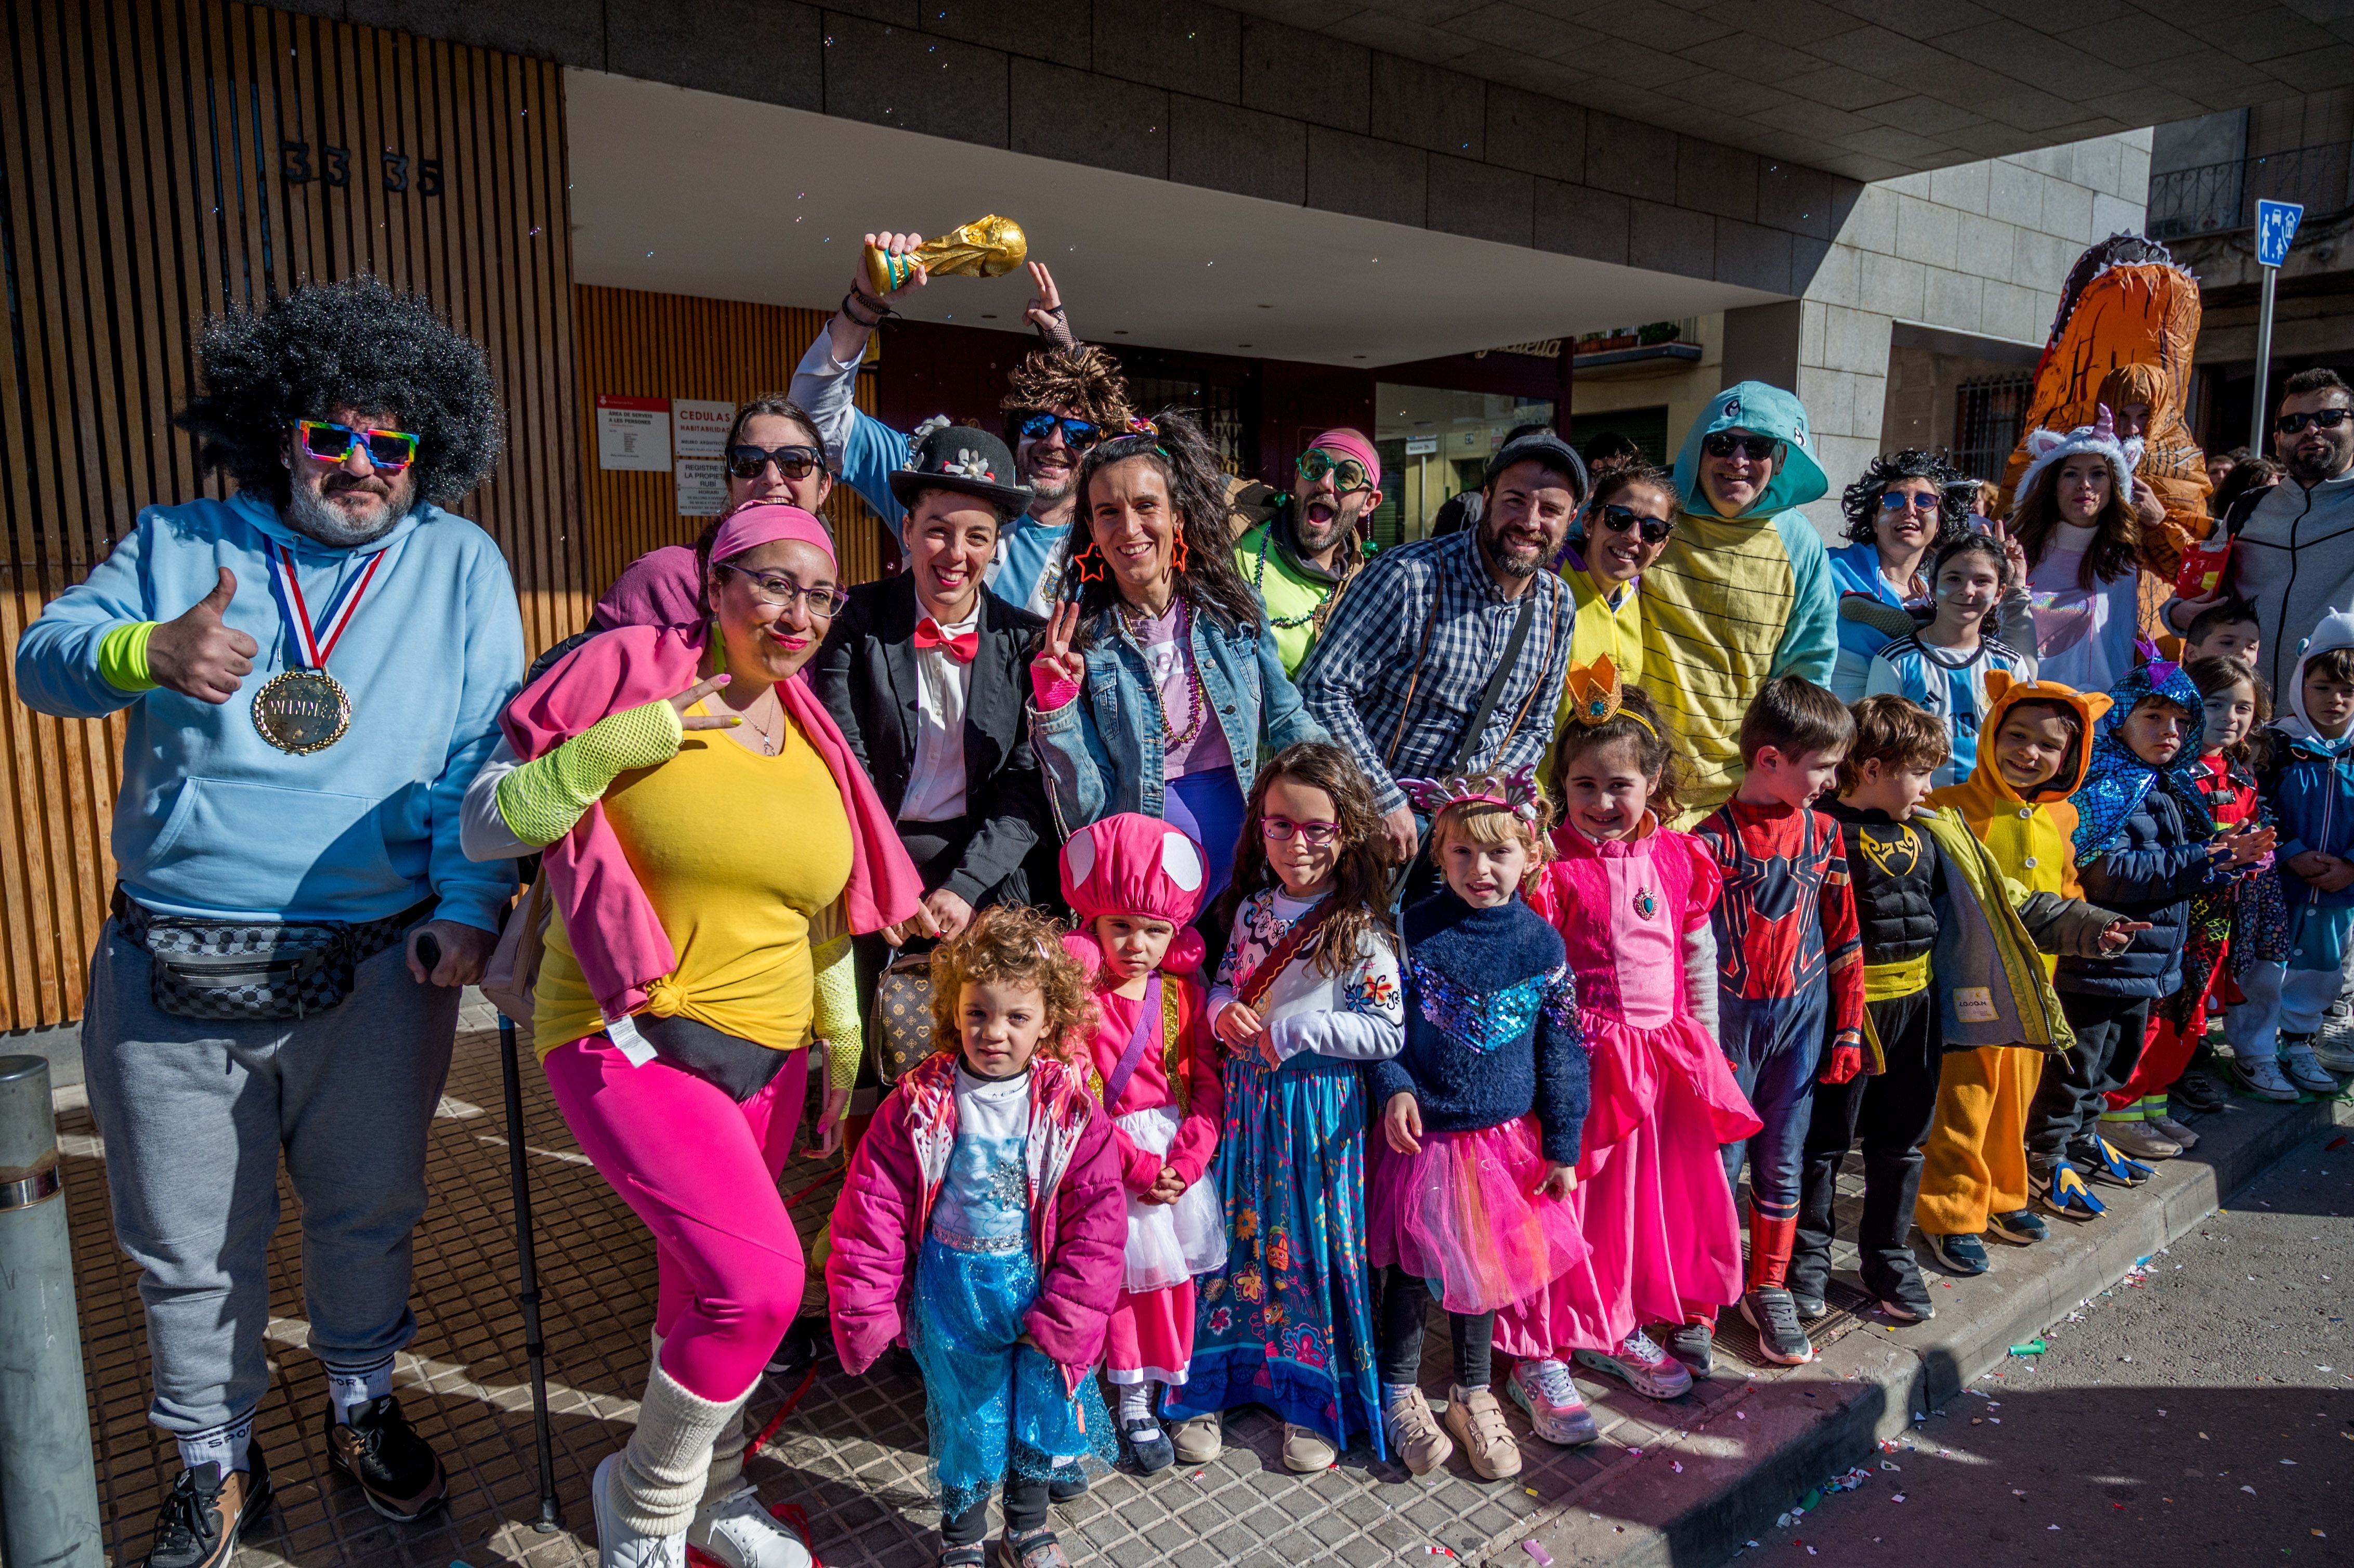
pixel 1495 692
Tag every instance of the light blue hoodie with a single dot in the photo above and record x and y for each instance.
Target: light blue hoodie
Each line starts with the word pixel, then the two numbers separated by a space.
pixel 212 819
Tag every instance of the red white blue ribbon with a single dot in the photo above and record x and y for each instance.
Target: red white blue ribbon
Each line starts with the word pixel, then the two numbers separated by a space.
pixel 315 643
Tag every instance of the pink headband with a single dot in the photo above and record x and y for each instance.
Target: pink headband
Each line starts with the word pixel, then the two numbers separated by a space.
pixel 1349 443
pixel 766 523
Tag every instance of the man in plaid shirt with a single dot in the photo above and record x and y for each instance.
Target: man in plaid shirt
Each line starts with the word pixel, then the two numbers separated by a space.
pixel 1407 653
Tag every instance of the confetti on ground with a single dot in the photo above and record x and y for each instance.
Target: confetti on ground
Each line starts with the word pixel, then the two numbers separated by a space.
pixel 2032 1348
pixel 1544 1558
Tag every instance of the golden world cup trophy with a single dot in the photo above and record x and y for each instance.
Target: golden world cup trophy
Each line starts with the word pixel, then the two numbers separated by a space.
pixel 987 247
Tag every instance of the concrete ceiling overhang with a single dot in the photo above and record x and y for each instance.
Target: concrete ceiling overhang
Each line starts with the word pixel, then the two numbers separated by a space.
pixel 686 192
pixel 1868 89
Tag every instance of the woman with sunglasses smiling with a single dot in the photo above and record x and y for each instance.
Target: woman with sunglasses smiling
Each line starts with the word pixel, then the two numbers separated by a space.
pixel 1743 593
pixel 1622 530
pixel 774 455
pixel 711 846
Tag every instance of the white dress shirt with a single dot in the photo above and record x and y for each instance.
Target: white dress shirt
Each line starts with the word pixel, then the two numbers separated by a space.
pixel 936 783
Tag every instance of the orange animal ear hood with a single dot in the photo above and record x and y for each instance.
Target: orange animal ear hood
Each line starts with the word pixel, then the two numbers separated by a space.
pixel 2004 693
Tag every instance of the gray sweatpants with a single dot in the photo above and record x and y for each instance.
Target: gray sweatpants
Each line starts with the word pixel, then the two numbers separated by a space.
pixel 194 1115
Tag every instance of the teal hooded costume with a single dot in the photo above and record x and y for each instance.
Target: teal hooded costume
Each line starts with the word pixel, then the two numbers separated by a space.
pixel 1735 601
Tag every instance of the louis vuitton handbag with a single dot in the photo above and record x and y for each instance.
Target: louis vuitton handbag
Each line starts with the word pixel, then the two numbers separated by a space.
pixel 899 1032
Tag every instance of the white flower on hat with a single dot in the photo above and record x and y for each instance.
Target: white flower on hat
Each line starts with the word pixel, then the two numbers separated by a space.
pixel 967 464
pixel 917 437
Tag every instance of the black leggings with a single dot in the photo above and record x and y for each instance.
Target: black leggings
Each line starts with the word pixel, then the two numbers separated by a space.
pixel 1025 1511
pixel 1406 1307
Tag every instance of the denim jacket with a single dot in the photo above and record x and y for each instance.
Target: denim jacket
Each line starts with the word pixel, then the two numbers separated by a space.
pixel 1101 752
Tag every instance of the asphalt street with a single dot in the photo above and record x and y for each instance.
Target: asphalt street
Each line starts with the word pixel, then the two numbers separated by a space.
pixel 2199 1415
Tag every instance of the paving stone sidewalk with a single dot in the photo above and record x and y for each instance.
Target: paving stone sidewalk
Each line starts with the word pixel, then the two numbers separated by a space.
pixel 851 1452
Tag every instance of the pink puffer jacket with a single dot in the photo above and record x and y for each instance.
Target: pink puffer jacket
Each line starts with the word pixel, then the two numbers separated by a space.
pixel 1078 1214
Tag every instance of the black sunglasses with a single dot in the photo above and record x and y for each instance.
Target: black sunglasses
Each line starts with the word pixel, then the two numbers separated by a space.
pixel 1724 443
pixel 1619 519
pixel 2320 419
pixel 793 463
pixel 1077 434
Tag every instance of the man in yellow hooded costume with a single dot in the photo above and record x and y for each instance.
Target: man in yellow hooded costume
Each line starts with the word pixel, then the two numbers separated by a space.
pixel 1744 591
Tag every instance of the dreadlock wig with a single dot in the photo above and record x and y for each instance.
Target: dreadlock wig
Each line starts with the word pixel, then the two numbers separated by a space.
pixel 1173 443
pixel 354 344
pixel 1085 379
pixel 1861 500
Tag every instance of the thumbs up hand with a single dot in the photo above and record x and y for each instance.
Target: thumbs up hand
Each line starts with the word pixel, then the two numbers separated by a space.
pixel 196 655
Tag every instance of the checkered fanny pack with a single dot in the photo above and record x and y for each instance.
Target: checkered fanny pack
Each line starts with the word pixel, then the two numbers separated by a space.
pixel 253 970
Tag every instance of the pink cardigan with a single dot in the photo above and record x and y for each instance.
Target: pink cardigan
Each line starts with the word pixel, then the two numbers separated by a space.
pixel 1078 1216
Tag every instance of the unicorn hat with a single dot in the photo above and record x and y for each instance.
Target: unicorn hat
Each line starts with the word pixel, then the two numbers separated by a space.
pixel 1134 864
pixel 2045 447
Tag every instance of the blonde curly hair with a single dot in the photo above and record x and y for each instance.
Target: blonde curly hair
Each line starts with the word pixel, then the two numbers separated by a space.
pixel 1085 379
pixel 1014 945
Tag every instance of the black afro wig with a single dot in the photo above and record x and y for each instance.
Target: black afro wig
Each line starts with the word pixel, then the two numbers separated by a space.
pixel 358 344
pixel 1861 500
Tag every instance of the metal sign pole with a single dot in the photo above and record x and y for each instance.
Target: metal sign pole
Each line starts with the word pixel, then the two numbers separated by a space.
pixel 2261 423
pixel 2276 224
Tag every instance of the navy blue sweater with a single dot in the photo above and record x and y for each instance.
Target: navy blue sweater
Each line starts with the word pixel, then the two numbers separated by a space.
pixel 1490 1025
pixel 2147 871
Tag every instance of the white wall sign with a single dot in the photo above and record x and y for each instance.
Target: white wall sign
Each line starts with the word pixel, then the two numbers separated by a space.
pixel 701 486
pixel 1421 446
pixel 634 433
pixel 699 429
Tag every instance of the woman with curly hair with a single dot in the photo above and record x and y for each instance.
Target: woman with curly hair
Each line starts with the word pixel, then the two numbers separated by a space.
pixel 1160 686
pixel 982 1219
pixel 2076 519
pixel 311 672
pixel 1898 512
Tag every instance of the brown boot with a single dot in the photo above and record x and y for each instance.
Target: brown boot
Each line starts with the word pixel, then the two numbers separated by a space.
pixel 1477 1422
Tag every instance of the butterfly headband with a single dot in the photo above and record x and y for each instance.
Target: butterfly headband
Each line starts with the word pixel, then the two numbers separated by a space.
pixel 1599 696
pixel 1515 792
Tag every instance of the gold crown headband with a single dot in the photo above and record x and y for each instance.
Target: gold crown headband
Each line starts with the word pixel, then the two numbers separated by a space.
pixel 1599 696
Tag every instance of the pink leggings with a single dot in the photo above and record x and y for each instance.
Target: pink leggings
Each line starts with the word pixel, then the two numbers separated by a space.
pixel 701 1172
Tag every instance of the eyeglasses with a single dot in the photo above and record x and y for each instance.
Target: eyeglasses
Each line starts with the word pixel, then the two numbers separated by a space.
pixel 1619 519
pixel 388 451
pixel 793 463
pixel 1347 473
pixel 775 588
pixel 1315 836
pixel 2320 419
pixel 1077 434
pixel 1724 443
pixel 1909 501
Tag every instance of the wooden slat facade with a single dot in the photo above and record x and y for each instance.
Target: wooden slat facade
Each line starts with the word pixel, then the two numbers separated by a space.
pixel 638 345
pixel 151 155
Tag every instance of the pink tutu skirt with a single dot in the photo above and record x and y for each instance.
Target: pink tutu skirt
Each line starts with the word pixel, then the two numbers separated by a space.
pixel 1464 1212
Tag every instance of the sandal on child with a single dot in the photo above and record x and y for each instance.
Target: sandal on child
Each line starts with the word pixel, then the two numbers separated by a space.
pixel 1038 1549
pixel 976 1555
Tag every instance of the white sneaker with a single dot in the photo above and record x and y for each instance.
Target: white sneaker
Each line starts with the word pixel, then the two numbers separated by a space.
pixel 2261 1077
pixel 2139 1140
pixel 741 1533
pixel 619 1546
pixel 2335 1053
pixel 2297 1064
pixel 2173 1130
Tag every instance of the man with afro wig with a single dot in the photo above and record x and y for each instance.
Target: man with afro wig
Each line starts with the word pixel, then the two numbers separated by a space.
pixel 309 672
pixel 1060 400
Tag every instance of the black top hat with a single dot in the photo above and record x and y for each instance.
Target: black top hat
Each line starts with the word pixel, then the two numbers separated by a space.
pixel 963 458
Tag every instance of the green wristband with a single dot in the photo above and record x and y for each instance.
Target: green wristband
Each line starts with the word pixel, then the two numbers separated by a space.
pixel 122 657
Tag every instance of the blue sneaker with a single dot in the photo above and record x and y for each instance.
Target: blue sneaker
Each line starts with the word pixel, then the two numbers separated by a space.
pixel 1963 1254
pixel 2020 1228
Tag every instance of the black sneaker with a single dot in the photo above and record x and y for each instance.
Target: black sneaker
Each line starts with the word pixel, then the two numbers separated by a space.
pixel 798 1351
pixel 1148 1444
pixel 1781 1340
pixel 1906 1299
pixel 1064 1482
pixel 2197 1093
pixel 2020 1228
pixel 1962 1253
pixel 205 1513
pixel 1809 1298
pixel 380 1450
pixel 1694 1344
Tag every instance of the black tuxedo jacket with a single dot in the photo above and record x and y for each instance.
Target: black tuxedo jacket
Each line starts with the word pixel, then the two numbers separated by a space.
pixel 866 675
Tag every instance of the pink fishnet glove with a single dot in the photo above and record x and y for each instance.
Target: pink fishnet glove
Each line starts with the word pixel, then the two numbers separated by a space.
pixel 1051 688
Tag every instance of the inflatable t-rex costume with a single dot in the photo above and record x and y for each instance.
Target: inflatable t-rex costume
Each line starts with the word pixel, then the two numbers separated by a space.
pixel 2127 322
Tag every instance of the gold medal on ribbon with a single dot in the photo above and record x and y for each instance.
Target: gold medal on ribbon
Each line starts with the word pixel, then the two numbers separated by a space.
pixel 302 711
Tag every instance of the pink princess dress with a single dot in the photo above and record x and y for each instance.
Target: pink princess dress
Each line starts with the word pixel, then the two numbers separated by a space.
pixel 1664 1241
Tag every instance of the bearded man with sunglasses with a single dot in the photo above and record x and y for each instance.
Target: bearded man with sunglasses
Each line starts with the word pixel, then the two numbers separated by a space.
pixel 1299 560
pixel 2293 543
pixel 311 670
pixel 1060 400
pixel 1743 592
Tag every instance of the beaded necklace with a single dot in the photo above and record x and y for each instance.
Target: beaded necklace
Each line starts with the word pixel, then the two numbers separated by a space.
pixel 1197 700
pixel 1258 576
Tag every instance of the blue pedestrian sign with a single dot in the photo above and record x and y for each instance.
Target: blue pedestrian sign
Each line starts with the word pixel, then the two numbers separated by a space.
pixel 2275 226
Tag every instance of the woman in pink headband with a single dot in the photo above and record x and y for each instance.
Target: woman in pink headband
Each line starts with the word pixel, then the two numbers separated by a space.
pixel 711 845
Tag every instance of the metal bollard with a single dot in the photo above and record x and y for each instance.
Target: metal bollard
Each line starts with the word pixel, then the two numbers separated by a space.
pixel 48 1479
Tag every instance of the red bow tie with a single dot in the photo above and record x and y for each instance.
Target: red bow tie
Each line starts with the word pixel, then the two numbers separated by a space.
pixel 961 647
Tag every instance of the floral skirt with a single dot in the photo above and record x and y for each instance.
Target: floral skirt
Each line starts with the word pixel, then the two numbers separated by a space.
pixel 1287 1322
pixel 1464 1212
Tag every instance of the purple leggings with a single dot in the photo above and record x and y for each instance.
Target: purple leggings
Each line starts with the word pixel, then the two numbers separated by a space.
pixel 701 1172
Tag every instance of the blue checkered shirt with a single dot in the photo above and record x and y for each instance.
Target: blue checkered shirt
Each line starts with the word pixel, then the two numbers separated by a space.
pixel 1357 680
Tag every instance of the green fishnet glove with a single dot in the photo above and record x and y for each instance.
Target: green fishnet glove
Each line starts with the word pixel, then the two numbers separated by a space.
pixel 834 1010
pixel 543 799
